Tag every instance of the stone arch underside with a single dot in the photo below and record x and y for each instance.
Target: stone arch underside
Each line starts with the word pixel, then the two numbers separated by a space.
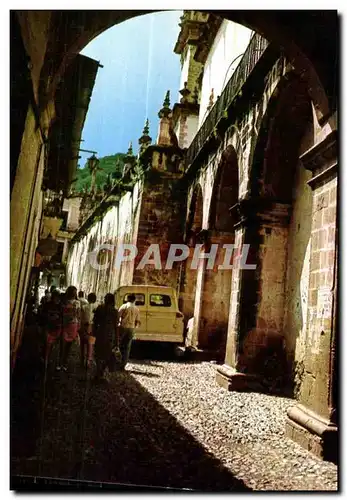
pixel 216 286
pixel 305 39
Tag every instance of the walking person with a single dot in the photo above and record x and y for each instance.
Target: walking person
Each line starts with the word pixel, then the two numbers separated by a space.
pixel 81 298
pixel 46 298
pixel 129 319
pixel 105 332
pixel 52 317
pixel 87 340
pixel 71 324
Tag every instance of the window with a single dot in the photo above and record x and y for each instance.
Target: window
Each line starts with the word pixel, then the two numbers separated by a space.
pixel 139 301
pixel 159 300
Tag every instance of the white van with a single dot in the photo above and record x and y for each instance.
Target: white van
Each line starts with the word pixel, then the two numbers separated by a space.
pixel 160 318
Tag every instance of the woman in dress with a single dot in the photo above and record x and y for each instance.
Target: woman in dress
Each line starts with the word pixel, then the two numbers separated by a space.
pixel 105 330
pixel 71 324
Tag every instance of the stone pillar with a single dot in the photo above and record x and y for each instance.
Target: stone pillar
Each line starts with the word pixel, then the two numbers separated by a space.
pixel 188 285
pixel 216 296
pixel 312 422
pixel 257 296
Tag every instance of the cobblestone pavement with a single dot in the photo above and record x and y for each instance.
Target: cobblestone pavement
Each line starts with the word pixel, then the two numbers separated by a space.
pixel 161 423
pixel 245 431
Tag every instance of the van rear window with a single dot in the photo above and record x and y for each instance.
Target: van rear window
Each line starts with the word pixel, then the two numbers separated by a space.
pixel 159 300
pixel 140 299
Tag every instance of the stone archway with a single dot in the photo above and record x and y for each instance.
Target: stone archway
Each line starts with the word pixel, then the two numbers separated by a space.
pixel 306 40
pixel 258 345
pixel 217 281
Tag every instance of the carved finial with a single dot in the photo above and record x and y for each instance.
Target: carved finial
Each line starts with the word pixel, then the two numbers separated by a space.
pixel 146 128
pixel 165 110
pixel 145 140
pixel 130 149
pixel 166 103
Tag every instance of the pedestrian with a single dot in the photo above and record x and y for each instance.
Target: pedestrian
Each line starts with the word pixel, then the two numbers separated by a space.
pixel 105 328
pixel 46 297
pixel 71 324
pixel 52 318
pixel 81 298
pixel 129 319
pixel 87 339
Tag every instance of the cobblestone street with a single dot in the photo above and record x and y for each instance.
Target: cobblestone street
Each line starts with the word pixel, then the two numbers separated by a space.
pixel 162 423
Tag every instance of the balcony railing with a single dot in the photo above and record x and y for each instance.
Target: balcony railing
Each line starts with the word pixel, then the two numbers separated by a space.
pixel 253 53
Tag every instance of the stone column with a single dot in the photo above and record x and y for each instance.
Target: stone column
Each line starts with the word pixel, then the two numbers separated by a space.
pixel 312 422
pixel 257 296
pixel 216 296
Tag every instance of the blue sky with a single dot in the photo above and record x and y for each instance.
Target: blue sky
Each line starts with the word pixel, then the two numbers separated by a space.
pixel 139 67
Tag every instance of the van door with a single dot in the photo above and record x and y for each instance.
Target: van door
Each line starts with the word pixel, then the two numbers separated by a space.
pixel 141 302
pixel 161 317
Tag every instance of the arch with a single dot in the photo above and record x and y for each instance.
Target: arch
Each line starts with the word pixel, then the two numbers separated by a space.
pixel 71 31
pixel 225 191
pixel 272 303
pixel 216 282
pixel 195 214
pixel 276 147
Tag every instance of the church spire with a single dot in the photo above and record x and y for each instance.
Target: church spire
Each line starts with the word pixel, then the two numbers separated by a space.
pixel 145 140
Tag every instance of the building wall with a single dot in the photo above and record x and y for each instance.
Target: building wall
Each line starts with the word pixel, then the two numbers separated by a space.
pixel 72 206
pixel 117 226
pixel 25 212
pixel 231 41
pixel 185 68
pixel 186 128
pixel 298 269
pixel 160 223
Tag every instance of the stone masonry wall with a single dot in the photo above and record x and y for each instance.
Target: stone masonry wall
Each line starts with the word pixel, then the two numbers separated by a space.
pixel 160 222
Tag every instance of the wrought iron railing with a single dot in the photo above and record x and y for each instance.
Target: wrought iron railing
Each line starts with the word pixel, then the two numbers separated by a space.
pixel 254 51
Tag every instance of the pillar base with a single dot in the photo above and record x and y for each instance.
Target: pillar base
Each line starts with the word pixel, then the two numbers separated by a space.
pixel 313 432
pixel 231 380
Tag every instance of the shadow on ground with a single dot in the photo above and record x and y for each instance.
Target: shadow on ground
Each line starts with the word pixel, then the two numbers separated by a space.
pixel 115 432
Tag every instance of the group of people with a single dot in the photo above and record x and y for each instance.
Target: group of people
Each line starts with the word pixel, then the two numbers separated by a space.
pixel 100 330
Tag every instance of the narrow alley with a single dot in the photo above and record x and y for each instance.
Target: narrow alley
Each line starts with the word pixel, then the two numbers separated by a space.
pixel 174 250
pixel 162 424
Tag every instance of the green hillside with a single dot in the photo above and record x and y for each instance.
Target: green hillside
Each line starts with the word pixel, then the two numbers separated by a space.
pixel 108 165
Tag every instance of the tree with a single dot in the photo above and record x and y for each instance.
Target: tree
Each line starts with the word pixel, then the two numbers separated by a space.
pixel 112 165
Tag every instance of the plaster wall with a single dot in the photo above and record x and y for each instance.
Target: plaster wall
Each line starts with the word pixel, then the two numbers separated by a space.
pixel 117 226
pixel 185 69
pixel 72 206
pixel 186 129
pixel 231 41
